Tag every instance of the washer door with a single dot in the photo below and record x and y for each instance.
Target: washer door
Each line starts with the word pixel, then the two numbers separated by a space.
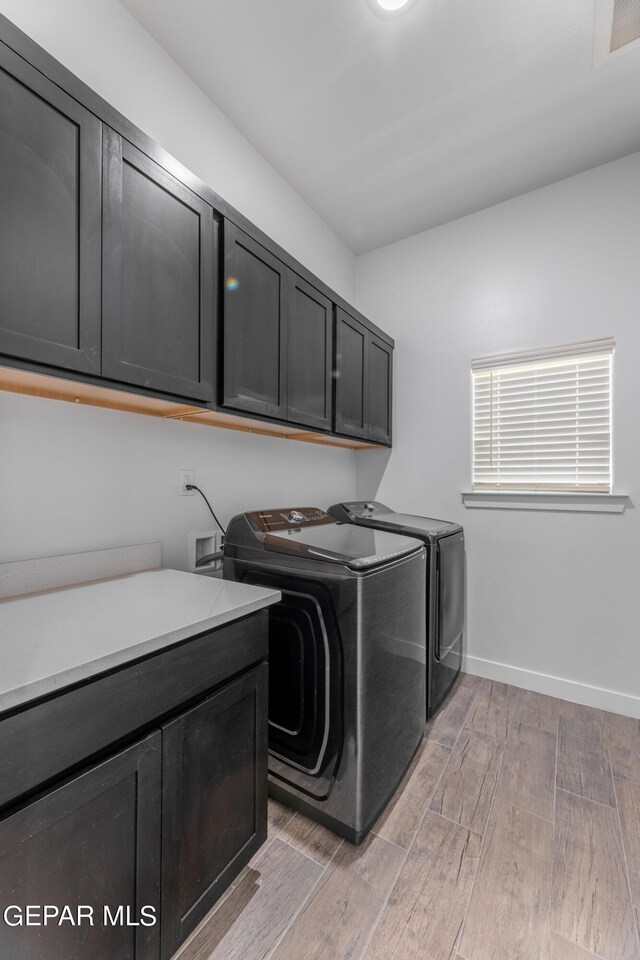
pixel 299 681
pixel 305 684
pixel 451 594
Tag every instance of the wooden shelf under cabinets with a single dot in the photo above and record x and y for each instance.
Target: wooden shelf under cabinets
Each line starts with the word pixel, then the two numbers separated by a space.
pixel 54 388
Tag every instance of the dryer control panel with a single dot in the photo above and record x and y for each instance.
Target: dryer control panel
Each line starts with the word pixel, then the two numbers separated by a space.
pixel 288 518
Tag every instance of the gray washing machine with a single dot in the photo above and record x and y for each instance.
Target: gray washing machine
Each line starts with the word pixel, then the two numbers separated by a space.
pixel 446 599
pixel 346 659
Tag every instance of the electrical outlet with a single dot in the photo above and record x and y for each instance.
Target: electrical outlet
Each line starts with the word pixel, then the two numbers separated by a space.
pixel 187 476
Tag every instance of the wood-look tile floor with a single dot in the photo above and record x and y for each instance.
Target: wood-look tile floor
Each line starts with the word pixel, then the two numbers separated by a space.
pixel 515 835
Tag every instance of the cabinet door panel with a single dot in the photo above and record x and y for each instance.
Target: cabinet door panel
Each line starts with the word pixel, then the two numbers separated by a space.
pixel 214 800
pixel 309 355
pixel 159 277
pixel 255 300
pixel 379 390
pixel 94 841
pixel 351 360
pixel 50 158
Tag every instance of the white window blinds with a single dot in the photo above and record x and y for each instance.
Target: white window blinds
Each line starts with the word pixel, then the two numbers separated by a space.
pixel 542 421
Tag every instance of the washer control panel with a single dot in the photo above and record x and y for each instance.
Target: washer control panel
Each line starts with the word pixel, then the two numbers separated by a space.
pixel 359 510
pixel 289 518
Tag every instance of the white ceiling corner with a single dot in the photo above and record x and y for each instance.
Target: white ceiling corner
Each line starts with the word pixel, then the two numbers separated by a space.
pixel 388 126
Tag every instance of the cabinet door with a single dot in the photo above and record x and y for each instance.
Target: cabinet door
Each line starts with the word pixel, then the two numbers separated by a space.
pixel 255 327
pixel 159 277
pixel 378 384
pixel 351 366
pixel 309 355
pixel 50 158
pixel 214 800
pixel 95 841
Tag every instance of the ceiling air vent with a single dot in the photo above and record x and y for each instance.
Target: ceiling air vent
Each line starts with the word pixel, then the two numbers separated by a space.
pixel 625 26
pixel 617 29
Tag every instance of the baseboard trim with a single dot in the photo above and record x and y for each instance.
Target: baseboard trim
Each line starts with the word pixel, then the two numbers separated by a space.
pixel 554 686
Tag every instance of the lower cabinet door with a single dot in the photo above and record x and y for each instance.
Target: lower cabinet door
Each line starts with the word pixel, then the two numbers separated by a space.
pixel 87 847
pixel 214 796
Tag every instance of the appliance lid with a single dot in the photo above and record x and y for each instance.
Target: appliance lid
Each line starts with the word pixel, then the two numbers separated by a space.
pixel 355 547
pixel 377 514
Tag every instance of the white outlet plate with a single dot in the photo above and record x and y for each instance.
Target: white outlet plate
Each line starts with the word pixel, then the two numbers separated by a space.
pixel 187 476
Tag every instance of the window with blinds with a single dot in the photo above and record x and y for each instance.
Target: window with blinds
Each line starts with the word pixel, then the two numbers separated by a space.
pixel 542 421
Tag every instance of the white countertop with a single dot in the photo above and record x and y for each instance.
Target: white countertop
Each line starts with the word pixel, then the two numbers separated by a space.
pixel 51 640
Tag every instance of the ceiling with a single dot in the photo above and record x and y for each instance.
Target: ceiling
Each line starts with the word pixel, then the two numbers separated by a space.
pixel 389 125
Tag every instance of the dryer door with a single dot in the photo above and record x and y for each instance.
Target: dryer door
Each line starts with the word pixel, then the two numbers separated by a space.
pixel 451 597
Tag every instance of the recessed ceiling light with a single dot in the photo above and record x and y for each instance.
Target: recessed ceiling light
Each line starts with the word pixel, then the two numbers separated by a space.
pixel 391 4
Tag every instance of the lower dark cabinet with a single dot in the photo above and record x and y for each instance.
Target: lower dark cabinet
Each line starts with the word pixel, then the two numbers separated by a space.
pixel 214 800
pixel 156 832
pixel 92 842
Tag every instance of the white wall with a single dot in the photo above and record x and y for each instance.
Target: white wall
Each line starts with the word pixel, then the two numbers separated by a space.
pixel 74 478
pixel 553 593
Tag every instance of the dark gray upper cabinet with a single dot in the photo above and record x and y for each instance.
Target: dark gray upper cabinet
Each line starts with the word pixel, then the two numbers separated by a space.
pixel 379 384
pixel 351 362
pixel 363 381
pixel 50 163
pixel 255 327
pixel 95 841
pixel 109 269
pixel 309 355
pixel 159 276
pixel 214 800
pixel 278 337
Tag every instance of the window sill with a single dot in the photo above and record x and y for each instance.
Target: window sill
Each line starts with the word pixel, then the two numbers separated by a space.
pixel 566 502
